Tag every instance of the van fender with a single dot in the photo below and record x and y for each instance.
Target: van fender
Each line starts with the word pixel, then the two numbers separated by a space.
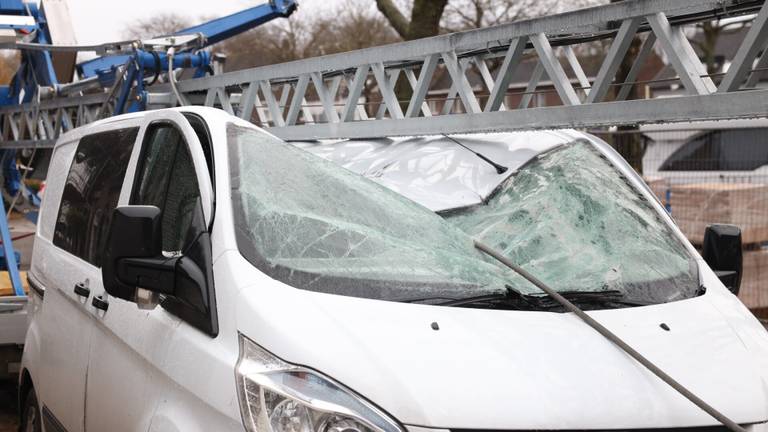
pixel 31 353
pixel 178 412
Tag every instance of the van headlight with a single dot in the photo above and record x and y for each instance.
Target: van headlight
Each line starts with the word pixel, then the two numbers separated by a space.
pixel 276 396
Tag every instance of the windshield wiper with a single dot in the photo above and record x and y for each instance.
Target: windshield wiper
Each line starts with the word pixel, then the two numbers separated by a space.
pixel 591 298
pixel 619 342
pixel 511 297
pixel 521 301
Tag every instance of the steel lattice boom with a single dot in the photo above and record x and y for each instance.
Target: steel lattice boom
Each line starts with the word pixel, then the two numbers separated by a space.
pixel 276 97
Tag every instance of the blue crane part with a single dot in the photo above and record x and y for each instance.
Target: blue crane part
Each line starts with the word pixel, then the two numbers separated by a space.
pixel 207 34
pixel 221 29
pixel 47 70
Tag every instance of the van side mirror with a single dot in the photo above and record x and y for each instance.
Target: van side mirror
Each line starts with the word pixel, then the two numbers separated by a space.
pixel 722 251
pixel 133 257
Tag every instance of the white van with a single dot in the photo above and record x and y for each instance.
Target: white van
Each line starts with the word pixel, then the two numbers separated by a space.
pixel 733 151
pixel 193 273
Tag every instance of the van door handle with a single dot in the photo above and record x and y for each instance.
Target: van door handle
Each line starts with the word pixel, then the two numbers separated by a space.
pixel 100 303
pixel 82 290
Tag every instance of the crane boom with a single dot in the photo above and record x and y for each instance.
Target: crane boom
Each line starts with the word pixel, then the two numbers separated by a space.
pixel 223 28
pixel 199 36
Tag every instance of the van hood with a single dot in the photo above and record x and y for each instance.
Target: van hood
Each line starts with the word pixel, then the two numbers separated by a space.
pixel 487 369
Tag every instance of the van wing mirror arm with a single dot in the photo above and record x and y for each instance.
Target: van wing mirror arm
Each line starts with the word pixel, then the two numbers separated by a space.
pixel 153 274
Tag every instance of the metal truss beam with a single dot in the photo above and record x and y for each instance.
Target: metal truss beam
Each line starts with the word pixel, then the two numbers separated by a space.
pixel 719 106
pixel 38 125
pixel 276 96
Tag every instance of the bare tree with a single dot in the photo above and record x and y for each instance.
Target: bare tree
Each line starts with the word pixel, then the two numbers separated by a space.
pixel 159 25
pixel 470 14
pixel 707 45
pixel 351 26
pixel 425 17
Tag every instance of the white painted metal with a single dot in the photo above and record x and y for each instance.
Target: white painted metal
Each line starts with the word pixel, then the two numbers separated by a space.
pixel 17 20
pixel 485 369
pixel 455 178
pixel 114 347
pixel 65 337
pixel 62 31
pixel 477 374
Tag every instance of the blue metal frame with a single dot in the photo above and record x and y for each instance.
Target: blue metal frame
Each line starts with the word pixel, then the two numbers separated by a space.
pixel 10 255
pixel 36 68
pixel 214 31
pixel 223 28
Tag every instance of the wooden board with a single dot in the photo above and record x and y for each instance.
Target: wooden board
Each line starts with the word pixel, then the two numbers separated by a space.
pixel 5 283
pixel 695 206
pixel 754 283
pixel 658 186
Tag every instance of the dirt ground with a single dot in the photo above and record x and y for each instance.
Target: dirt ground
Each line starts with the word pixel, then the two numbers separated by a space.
pixel 8 415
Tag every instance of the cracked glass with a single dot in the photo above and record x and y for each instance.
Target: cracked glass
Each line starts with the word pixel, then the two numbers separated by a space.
pixel 314 225
pixel 572 219
pixel 568 216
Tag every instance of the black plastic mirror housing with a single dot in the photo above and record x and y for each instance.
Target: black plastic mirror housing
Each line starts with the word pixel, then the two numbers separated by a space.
pixel 722 250
pixel 135 234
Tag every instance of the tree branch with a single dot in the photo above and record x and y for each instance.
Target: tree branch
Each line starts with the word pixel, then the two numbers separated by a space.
pixel 394 16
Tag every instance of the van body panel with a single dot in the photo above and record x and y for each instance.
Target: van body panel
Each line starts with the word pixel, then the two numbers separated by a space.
pixel 749 330
pixel 65 334
pixel 477 372
pixel 132 358
pixel 172 377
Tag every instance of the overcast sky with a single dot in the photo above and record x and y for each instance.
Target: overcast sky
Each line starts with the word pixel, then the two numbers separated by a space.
pixel 98 21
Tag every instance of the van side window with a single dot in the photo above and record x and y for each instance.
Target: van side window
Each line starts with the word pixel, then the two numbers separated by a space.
pixel 166 179
pixel 91 193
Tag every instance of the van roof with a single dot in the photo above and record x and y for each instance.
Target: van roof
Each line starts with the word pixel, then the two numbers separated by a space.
pixel 81 131
pixel 435 171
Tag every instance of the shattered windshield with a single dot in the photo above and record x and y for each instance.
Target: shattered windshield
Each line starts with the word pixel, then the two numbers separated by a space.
pixel 316 226
pixel 572 219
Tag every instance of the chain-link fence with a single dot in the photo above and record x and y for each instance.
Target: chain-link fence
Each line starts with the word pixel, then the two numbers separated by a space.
pixel 716 173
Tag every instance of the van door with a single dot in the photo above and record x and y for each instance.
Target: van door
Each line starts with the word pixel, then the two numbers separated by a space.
pixel 125 377
pixel 66 264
